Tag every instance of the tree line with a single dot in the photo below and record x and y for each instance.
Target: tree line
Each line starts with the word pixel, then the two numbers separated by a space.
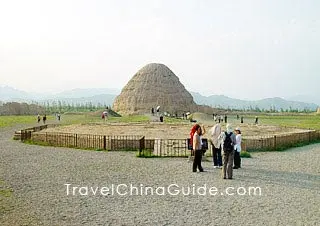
pixel 34 108
pixel 48 107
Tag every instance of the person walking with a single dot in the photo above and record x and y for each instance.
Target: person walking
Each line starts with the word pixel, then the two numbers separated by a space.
pixel 44 119
pixel 228 141
pixel 105 115
pixel 215 131
pixel 197 148
pixel 237 149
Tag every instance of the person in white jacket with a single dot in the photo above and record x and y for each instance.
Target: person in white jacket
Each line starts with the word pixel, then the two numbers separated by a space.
pixel 237 148
pixel 215 132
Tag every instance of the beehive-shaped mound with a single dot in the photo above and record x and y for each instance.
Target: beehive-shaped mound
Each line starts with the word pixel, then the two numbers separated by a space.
pixel 154 85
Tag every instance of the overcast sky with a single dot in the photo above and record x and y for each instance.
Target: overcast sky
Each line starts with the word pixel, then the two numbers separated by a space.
pixel 245 49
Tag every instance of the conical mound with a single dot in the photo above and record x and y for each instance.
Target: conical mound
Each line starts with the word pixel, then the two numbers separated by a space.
pixel 154 85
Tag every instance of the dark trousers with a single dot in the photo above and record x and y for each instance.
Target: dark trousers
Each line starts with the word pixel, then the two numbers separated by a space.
pixel 216 155
pixel 237 159
pixel 197 161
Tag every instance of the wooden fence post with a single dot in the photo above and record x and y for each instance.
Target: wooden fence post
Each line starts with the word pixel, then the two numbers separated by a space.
pixel 104 143
pixel 142 146
pixel 309 135
pixel 22 135
pixel 275 143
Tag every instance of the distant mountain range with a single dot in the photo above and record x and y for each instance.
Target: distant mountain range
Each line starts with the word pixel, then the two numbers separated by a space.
pixel 75 96
pixel 107 96
pixel 276 103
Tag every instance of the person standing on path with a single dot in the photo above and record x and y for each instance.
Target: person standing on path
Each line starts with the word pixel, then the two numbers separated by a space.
pixel 228 141
pixel 197 148
pixel 215 131
pixel 237 149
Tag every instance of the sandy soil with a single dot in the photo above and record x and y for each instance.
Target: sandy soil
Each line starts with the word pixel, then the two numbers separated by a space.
pixel 165 131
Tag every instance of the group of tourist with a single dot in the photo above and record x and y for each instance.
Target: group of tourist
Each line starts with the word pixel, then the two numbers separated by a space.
pixel 220 118
pixel 226 148
pixel 44 118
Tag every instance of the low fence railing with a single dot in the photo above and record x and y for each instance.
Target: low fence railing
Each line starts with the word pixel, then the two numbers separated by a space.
pixel 25 134
pixel 280 141
pixel 157 147
pixel 88 141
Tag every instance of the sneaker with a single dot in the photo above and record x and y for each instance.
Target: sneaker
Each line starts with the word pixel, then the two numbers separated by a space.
pixel 214 167
pixel 235 167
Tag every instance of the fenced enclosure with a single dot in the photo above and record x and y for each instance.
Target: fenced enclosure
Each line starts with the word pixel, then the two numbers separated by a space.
pixel 25 134
pixel 157 147
pixel 282 141
pixel 88 141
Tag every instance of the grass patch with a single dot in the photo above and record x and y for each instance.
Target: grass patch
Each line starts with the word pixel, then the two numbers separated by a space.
pixel 174 120
pixel 304 121
pixel 11 120
pixel 5 191
pixel 79 118
pixel 6 198
pixel 245 154
pixel 146 153
pixel 41 143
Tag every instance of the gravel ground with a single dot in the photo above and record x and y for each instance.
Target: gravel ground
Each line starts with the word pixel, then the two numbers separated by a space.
pixel 289 183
